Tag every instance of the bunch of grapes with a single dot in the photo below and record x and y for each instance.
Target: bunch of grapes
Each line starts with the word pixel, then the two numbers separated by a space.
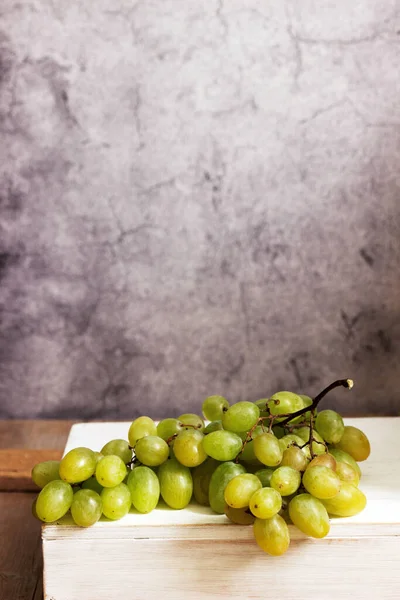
pixel 265 463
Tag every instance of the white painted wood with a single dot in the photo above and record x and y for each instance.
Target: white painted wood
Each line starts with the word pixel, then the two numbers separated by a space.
pixel 176 554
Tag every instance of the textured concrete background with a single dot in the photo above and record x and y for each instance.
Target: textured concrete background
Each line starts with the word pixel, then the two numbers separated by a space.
pixel 198 197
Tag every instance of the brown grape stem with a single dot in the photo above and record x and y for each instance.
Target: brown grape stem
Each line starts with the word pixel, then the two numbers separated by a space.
pixel 347 383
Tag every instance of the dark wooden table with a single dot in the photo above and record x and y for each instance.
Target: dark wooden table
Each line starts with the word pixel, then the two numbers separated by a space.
pixel 20 543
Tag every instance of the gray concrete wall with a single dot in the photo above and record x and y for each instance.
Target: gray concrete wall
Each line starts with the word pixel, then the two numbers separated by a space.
pixel 197 197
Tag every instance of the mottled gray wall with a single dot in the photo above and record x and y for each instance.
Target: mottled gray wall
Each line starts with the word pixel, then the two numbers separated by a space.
pixel 198 197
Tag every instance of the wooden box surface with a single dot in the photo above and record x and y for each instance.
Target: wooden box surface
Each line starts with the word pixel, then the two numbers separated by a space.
pixel 193 553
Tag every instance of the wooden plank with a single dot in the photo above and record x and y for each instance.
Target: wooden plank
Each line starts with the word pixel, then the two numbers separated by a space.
pixel 16 465
pixel 34 434
pixel 20 549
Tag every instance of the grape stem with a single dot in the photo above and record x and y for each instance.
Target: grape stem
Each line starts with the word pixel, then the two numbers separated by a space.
pixel 347 383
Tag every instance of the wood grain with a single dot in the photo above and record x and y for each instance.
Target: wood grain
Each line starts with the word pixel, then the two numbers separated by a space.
pixel 16 465
pixel 20 548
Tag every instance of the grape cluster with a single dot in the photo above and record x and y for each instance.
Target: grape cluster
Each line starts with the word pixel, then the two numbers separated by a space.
pixel 265 463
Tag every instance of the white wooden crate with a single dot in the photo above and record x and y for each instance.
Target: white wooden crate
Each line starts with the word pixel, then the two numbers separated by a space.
pixel 193 553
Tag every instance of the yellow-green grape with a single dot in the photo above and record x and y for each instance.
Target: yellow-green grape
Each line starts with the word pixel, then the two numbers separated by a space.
pixel 264 475
pixel 34 512
pixel 118 448
pixel 341 456
pixel 76 466
pixel 214 407
pixel 294 457
pixel 240 516
pixel 98 456
pixel 330 426
pixel 141 427
pixel 201 480
pixel 222 445
pixel 354 442
pixel 92 484
pixel 309 515
pixel 188 448
pixel 191 421
pixel 46 471
pixel 110 471
pixel 267 449
pixel 240 489
pixel 116 501
pixel 272 535
pixel 213 426
pixel 54 501
pixel 219 480
pixel 348 502
pixel 318 446
pixel 346 473
pixel 291 439
pixel 265 503
pixel 168 428
pixel 285 480
pixel 283 403
pixel 241 416
pixel 324 460
pixel 86 508
pixel 321 482
pixel 152 450
pixel 176 483
pixel 144 487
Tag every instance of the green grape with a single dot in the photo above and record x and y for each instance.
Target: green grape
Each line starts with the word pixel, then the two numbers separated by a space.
pixel 264 475
pixel 219 480
pixel 285 480
pixel 110 471
pixel 98 456
pixel 86 508
pixel 214 407
pixel 324 460
pixel 278 431
pixel 213 426
pixel 222 445
pixel 151 450
pixel 346 473
pixel 341 456
pixel 295 458
pixel 265 503
pixel 176 483
pixel 330 426
pixel 272 535
pixel 309 515
pixel 144 487
pixel 267 449
pixel 241 416
pixel 116 501
pixel 46 471
pixel 240 489
pixel 291 439
pixel 76 466
pixel 248 454
pixel 141 427
pixel 283 403
pixel 34 511
pixel 321 482
pixel 201 480
pixel 54 501
pixel 92 484
pixel 318 445
pixel 118 448
pixel 188 448
pixel 168 428
pixel 240 516
pixel 262 404
pixel 192 420
pixel 307 401
pixel 354 442
pixel 348 502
